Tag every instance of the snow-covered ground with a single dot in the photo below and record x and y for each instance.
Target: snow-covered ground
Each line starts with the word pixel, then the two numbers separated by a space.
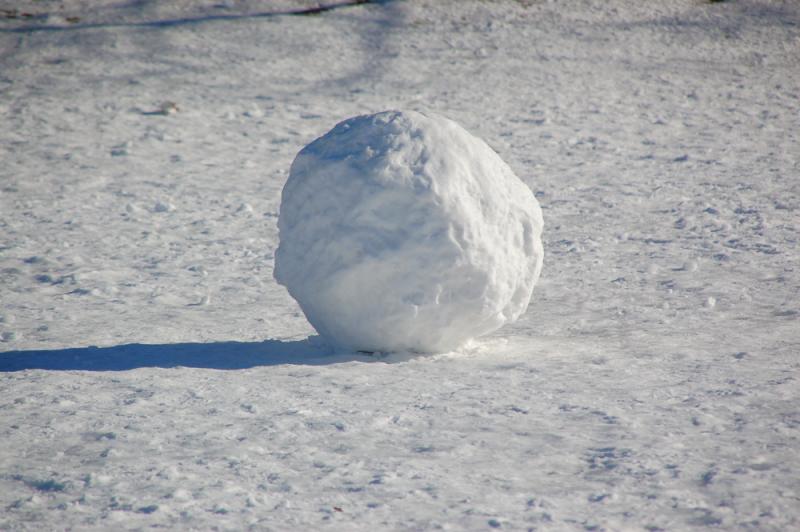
pixel 652 384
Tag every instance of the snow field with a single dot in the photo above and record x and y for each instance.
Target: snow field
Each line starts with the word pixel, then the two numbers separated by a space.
pixel 653 385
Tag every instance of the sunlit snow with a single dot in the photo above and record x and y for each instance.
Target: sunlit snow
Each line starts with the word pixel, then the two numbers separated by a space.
pixel 154 374
pixel 400 231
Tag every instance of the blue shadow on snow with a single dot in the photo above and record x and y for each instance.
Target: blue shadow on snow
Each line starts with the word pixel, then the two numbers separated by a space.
pixel 215 355
pixel 77 25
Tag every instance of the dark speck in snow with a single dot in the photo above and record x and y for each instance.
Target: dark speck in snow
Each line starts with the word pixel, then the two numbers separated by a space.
pixel 42 485
pixel 708 478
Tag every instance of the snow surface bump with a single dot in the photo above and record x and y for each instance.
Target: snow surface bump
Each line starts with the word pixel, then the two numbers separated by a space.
pixel 401 231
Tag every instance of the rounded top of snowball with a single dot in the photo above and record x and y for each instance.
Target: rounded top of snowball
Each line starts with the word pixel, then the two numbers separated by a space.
pixel 390 146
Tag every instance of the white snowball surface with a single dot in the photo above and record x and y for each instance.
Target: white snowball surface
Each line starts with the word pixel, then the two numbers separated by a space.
pixel 401 231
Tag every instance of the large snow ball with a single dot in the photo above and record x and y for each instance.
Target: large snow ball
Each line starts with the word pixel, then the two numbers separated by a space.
pixel 400 231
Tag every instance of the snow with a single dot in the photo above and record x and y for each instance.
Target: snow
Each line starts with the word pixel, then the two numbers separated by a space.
pixel 660 139
pixel 400 231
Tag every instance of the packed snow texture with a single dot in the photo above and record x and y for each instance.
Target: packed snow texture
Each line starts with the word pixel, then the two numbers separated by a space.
pixel 401 231
pixel 654 383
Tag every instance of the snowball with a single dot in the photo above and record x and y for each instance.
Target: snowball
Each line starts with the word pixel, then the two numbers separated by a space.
pixel 401 231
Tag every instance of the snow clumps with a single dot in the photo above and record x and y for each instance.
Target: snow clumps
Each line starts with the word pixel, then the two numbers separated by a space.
pixel 400 231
